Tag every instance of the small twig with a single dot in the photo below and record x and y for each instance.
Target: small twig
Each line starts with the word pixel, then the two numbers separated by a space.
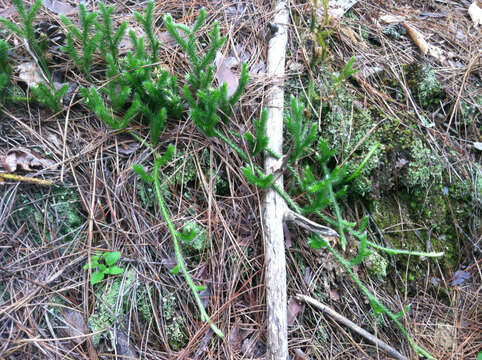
pixel 343 320
pixel 25 179
pixel 324 231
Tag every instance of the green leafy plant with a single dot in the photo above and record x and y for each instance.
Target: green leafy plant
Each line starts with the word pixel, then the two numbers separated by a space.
pixel 321 32
pixel 104 265
pixel 207 104
pixel 109 38
pixel 258 142
pixel 188 234
pixel 26 30
pixel 44 93
pixel 147 22
pixel 89 43
pixel 48 96
pixel 132 81
pixel 5 69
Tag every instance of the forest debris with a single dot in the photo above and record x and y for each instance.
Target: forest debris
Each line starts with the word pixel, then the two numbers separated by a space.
pixel 475 12
pixel 391 19
pixel 417 38
pixel 25 159
pixel 300 355
pixel 293 309
pixel 59 7
pixel 224 73
pixel 76 327
pixel 25 179
pixel 124 349
pixel 338 8
pixel 445 336
pixel 424 46
pixel 460 277
pixel 29 73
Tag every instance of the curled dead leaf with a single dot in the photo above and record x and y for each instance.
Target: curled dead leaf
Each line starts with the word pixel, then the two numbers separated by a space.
pixel 29 73
pixel 293 309
pixel 75 326
pixel 25 159
pixel 417 38
pixel 59 7
pixel 224 73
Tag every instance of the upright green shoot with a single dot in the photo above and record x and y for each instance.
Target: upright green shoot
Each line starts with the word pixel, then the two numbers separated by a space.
pixel 89 42
pixel 5 69
pixel 147 22
pixel 110 39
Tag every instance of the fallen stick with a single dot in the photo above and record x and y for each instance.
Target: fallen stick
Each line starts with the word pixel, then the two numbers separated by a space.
pixel 343 320
pixel 25 179
pixel 274 206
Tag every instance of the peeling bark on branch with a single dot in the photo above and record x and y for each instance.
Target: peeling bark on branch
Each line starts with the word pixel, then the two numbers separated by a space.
pixel 274 206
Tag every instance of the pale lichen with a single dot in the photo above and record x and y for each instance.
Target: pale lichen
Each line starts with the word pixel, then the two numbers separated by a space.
pixel 176 335
pixel 376 264
pixel 109 308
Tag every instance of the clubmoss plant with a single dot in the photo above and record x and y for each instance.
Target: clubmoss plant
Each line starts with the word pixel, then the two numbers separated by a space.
pixel 44 93
pixel 132 82
pixel 49 96
pixel 26 30
pixel 5 69
pixel 109 39
pixel 89 43
pixel 207 104
pixel 188 234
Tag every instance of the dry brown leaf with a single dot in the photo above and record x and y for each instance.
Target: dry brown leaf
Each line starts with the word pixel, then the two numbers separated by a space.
pixel 75 326
pixel 128 147
pixel 25 159
pixel 29 73
pixel 59 7
pixel 334 295
pixel 301 355
pixel 417 38
pixel 234 339
pixel 124 349
pixel 293 309
pixel 224 73
pixel 475 12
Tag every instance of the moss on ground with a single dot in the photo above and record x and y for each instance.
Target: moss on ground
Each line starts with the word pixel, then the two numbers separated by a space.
pixel 425 87
pixel 109 307
pixel 183 172
pixel 114 302
pixel 175 327
pixel 52 215
pixel 376 264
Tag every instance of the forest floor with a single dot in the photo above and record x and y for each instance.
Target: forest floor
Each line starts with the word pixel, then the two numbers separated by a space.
pixel 421 190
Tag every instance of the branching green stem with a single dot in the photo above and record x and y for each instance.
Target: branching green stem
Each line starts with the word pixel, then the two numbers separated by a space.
pixel 179 258
pixel 374 300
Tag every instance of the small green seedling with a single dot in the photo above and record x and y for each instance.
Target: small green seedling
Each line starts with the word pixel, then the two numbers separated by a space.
pixel 104 264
